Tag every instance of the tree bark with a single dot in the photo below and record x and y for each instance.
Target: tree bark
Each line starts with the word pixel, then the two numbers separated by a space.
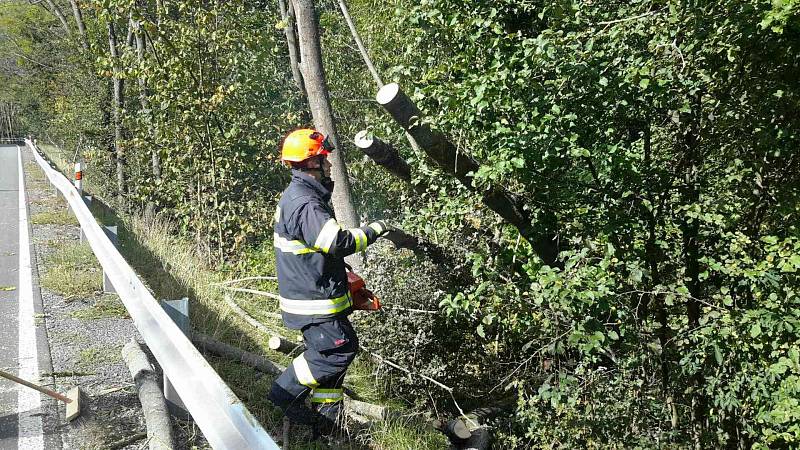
pixel 543 238
pixel 384 155
pixel 219 348
pixel 117 110
pixel 159 426
pixel 319 102
pixel 282 345
pixel 288 16
pixel 76 12
pixel 60 15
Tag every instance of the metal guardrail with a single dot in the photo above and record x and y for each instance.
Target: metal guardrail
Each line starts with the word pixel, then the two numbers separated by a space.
pixel 222 417
pixel 12 141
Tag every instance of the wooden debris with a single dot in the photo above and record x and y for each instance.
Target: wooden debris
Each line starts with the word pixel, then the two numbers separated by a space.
pixel 156 415
pixel 384 154
pixel 282 345
pixel 247 317
pixel 124 442
pixel 286 427
pixel 234 353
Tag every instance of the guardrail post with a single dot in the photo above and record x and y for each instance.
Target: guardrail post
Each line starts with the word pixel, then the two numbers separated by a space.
pixel 111 232
pixel 88 200
pixel 178 311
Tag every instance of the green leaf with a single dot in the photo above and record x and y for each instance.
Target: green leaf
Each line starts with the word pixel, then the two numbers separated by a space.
pixel 7 288
pixel 644 82
pixel 481 331
pixel 613 335
pixel 717 354
pixel 755 330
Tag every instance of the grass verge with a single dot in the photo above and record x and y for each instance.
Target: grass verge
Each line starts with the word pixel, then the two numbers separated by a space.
pixel 72 271
pixel 106 307
pixel 96 356
pixel 57 217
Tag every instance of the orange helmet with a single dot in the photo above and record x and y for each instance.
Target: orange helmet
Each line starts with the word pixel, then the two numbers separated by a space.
pixel 305 143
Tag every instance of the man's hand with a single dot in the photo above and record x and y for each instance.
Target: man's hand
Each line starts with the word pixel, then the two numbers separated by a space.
pixel 381 228
pixel 401 239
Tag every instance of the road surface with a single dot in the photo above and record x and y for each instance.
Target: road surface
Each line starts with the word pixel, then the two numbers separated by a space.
pixel 27 420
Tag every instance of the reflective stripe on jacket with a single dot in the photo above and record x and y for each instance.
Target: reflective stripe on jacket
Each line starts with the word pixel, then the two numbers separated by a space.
pixel 310 247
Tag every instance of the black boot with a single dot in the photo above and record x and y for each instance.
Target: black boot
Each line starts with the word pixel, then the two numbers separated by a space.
pixel 330 418
pixel 292 407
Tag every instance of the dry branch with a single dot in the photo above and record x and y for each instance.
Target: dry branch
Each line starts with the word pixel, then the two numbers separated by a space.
pixel 252 291
pixel 241 280
pixel 247 317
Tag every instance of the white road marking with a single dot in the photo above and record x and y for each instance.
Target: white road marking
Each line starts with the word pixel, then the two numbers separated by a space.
pixel 29 401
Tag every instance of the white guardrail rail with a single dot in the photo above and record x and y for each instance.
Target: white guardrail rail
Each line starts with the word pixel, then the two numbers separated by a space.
pixel 224 420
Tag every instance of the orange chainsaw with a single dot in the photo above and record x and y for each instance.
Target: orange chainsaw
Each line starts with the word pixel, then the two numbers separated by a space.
pixel 363 298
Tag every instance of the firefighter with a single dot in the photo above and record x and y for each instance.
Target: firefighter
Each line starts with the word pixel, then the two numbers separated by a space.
pixel 310 247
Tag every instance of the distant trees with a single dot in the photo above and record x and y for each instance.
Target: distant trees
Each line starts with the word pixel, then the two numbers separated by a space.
pixel 616 186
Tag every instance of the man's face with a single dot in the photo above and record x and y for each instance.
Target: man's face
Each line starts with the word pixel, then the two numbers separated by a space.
pixel 324 164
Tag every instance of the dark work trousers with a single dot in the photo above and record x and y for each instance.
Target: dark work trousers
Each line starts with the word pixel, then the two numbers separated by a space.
pixel 330 348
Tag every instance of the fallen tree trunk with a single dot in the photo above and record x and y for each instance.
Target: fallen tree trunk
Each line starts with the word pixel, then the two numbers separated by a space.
pixel 156 415
pixel 264 365
pixel 219 348
pixel 470 431
pixel 543 238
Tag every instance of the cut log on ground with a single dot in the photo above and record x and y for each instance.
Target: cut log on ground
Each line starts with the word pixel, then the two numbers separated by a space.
pixel 285 433
pixel 470 432
pixel 262 364
pixel 282 345
pixel 156 415
pixel 364 409
pixel 543 237
pixel 219 348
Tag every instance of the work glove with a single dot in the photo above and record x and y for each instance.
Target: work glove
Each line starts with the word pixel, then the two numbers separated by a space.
pixel 381 227
pixel 401 239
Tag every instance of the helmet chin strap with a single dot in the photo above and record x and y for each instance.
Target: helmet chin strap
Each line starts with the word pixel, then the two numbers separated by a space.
pixel 325 180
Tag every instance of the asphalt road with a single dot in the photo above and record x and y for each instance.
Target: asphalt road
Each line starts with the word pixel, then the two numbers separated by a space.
pixel 26 419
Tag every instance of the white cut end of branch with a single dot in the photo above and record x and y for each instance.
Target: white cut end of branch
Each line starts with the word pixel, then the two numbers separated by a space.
pixel 387 93
pixel 363 140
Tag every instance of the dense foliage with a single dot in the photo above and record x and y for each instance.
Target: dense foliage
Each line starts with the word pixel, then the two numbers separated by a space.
pixel 662 135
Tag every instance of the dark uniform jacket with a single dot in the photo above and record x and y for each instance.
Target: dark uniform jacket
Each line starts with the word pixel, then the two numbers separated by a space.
pixel 310 247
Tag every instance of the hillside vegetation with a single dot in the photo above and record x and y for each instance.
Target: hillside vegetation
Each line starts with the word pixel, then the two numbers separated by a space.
pixel 647 296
